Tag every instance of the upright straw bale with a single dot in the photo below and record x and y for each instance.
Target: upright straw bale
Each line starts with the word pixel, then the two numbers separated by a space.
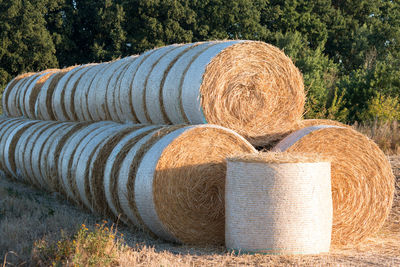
pixel 362 179
pixel 278 203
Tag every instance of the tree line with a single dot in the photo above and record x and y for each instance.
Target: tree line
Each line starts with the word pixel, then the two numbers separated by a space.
pixel 347 50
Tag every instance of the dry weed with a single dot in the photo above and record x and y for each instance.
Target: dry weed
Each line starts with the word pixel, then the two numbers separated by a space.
pixel 28 216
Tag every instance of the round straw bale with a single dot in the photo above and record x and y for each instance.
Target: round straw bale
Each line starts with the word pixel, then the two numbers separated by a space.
pixel 5 130
pixel 126 89
pixel 97 167
pixel 96 90
pixel 278 203
pixel 113 90
pixel 140 80
pixel 26 154
pixel 10 144
pixel 237 84
pixel 362 179
pixel 69 154
pixel 90 173
pixel 155 82
pixel 4 127
pixel 80 173
pixel 51 158
pixel 43 108
pixel 173 190
pixel 11 87
pixel 31 94
pixel 97 97
pixel 40 146
pixel 21 144
pixel 307 123
pixel 69 90
pixel 247 85
pixel 82 89
pixel 60 90
pixel 267 143
pixel 113 165
pixel 13 107
pixel 128 171
pixel 171 91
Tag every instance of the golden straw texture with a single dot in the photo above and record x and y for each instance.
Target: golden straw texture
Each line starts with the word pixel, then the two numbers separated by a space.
pixel 248 86
pixel 189 183
pixel 278 207
pixel 254 89
pixel 279 157
pixel 362 179
pixel 267 143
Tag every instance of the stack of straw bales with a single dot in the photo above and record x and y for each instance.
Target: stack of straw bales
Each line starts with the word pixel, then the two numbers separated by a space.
pixel 169 180
pixel 153 177
pixel 250 87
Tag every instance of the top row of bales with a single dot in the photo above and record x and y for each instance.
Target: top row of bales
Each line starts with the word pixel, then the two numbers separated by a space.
pixel 250 87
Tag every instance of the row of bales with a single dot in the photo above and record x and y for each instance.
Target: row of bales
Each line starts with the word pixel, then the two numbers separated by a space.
pixel 145 138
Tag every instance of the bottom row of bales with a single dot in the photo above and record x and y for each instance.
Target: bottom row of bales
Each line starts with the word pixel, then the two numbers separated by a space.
pixel 167 180
pixel 170 180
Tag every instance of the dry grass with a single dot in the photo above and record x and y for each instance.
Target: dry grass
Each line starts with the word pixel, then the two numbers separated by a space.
pixel 28 216
pixel 385 134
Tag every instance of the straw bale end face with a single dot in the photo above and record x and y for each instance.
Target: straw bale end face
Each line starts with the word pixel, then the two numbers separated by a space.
pixel 254 89
pixel 278 203
pixel 189 183
pixel 362 178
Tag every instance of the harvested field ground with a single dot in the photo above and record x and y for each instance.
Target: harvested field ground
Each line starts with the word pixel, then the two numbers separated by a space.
pixel 28 215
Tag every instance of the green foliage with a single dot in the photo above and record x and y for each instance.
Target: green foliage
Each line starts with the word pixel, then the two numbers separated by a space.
pixel 97 247
pixel 382 108
pixel 156 23
pixel 347 50
pixel 26 44
pixel 228 19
